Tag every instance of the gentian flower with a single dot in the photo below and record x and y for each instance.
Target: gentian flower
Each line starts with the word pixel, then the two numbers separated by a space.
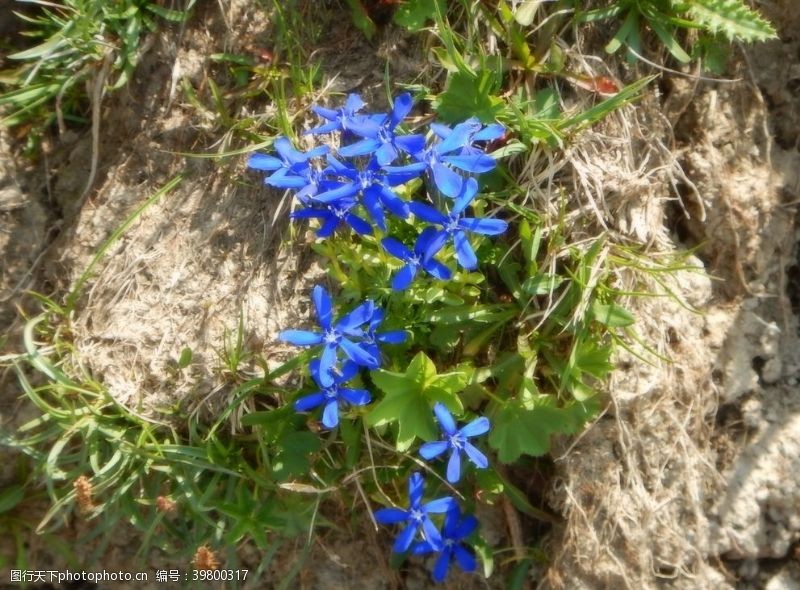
pixel 332 215
pixel 380 138
pixel 455 225
pixel 454 530
pixel 417 516
pixel 440 156
pixel 372 337
pixel 374 184
pixel 415 260
pixel 333 395
pixel 289 168
pixel 340 119
pixel 457 441
pixel 334 336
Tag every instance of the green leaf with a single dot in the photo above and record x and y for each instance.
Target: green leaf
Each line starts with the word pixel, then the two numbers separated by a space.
pixel 468 96
pixel 410 397
pixel 361 18
pixel 611 315
pixel 414 14
pixel 519 430
pixel 10 497
pixel 292 456
pixel 186 358
pixel 731 18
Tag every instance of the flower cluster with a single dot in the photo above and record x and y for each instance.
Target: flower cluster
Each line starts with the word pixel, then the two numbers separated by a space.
pixel 347 344
pixel 356 186
pixel 359 181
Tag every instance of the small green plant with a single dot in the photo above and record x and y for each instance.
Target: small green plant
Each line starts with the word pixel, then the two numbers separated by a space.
pixel 77 40
pixel 715 21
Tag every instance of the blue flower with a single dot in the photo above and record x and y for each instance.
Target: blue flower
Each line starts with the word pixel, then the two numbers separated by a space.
pixel 334 336
pixel 455 225
pixel 440 157
pixel 372 337
pixel 333 395
pixel 457 441
pixel 290 168
pixel 415 260
pixel 417 516
pixel 332 215
pixel 380 138
pixel 374 184
pixel 454 530
pixel 340 119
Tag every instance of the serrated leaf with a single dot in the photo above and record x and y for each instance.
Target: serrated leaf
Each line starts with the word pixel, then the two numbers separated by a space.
pixel 292 456
pixel 518 430
pixel 468 96
pixel 733 19
pixel 410 397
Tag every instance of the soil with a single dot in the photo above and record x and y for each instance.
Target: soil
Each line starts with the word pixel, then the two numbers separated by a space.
pixel 687 480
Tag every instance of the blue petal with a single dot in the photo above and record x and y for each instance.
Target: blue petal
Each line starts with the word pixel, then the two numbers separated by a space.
pixel 478 459
pixel 427 213
pixel 318 151
pixel 373 206
pixel 465 197
pixel 357 397
pixel 439 506
pixel 358 355
pixel 416 485
pixel 309 402
pixel 322 303
pixel 349 370
pixel 396 248
pixel 346 190
pixel 300 337
pixel 456 139
pixel 436 243
pixel 326 363
pixel 476 164
pixel 442 565
pixel 284 179
pixel 464 558
pixel 360 148
pixel 431 533
pixel 464 252
pixel 330 415
pixel 386 154
pixel 359 316
pixel 486 227
pixel 365 127
pixel 454 466
pixel 390 515
pixel 376 319
pixel 432 450
pixel 392 337
pixel 405 538
pixel 447 181
pixel 403 278
pixel 329 226
pixel 464 528
pixel 324 113
pixel 329 127
pixel 402 106
pixel 392 202
pixel 445 418
pixel 476 427
pixel 263 162
pixel 411 144
pixel 284 147
pixel 359 225
pixel 441 131
pixel 423 548
pixel 401 174
pixel 490 133
pixel 436 269
pixel 353 104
